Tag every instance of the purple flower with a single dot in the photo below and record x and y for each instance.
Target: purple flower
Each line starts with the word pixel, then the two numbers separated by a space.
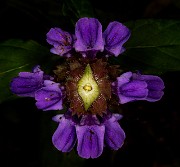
pixel 114 134
pixel 83 83
pixel 115 36
pixel 61 40
pixel 27 83
pixel 90 136
pixel 64 137
pixel 88 32
pixel 130 87
pixel 89 132
pixel 49 97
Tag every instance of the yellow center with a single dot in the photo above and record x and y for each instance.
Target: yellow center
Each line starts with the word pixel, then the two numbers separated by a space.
pixel 87 87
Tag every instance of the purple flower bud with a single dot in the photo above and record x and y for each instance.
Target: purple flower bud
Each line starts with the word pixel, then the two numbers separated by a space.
pixel 131 87
pixel 27 83
pixel 88 32
pixel 115 36
pixel 64 137
pixel 61 40
pixel 49 97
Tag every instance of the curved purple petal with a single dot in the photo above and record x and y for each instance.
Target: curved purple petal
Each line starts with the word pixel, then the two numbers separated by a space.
pixel 114 134
pixel 49 98
pixel 136 89
pixel 117 117
pixel 128 89
pixel 154 95
pixel 154 82
pixel 124 99
pixel 90 140
pixel 61 40
pixel 155 86
pixel 124 78
pixel 115 36
pixel 64 137
pixel 27 83
pixel 88 32
pixel 61 50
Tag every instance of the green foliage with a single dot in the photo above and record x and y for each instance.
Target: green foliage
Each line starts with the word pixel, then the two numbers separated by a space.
pixel 17 56
pixel 154 46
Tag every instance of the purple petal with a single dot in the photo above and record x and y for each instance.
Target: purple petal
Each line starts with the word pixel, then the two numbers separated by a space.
pixel 50 83
pixel 155 86
pixel 57 37
pixel 49 98
pixel 64 137
pixel 124 99
pixel 124 78
pixel 136 89
pixel 27 83
pixel 88 32
pixel 90 140
pixel 61 40
pixel 154 95
pixel 61 50
pixel 114 134
pixel 154 82
pixel 115 36
pixel 129 90
pixel 117 117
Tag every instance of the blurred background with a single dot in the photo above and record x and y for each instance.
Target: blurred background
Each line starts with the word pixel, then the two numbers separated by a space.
pixel 152 129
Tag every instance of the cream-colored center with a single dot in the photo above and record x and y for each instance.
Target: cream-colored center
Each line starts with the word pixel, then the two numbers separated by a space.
pixel 88 88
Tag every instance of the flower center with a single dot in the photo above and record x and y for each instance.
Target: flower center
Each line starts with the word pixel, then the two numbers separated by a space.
pixel 88 88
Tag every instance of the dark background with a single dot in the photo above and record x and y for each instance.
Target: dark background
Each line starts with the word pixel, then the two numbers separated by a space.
pixel 152 129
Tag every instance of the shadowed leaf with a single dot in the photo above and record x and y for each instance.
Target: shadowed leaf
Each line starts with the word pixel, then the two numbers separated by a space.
pixel 17 56
pixel 154 46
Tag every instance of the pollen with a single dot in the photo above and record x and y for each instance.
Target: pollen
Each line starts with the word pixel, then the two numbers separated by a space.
pixel 87 87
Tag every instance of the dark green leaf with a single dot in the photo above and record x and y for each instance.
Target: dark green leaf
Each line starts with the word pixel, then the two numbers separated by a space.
pixel 16 56
pixel 154 46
